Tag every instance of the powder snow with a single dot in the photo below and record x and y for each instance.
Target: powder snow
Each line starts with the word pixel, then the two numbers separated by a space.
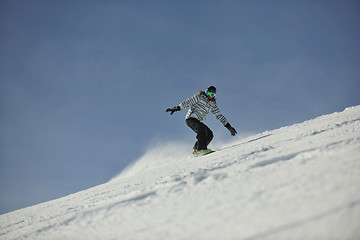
pixel 296 182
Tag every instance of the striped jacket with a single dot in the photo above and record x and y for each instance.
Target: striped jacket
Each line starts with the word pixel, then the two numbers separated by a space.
pixel 200 106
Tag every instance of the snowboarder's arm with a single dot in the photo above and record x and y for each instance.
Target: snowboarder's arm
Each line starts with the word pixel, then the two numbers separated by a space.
pixel 189 102
pixel 223 120
pixel 216 112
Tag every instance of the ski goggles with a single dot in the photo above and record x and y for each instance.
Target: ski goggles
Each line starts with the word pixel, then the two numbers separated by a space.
pixel 210 94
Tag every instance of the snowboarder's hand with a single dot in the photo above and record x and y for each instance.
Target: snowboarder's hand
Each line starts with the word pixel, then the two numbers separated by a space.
pixel 231 129
pixel 172 110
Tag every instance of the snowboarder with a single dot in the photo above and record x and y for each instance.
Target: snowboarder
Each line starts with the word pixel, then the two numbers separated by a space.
pixel 200 105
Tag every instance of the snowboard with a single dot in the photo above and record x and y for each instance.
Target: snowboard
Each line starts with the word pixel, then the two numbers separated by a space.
pixel 204 154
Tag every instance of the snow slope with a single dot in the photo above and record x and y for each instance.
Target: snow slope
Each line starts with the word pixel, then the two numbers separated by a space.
pixel 296 182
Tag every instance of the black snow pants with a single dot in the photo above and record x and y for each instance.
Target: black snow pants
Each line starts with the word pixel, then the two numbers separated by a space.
pixel 204 134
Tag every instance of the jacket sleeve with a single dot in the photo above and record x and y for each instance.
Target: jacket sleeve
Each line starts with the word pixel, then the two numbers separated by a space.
pixel 215 110
pixel 189 102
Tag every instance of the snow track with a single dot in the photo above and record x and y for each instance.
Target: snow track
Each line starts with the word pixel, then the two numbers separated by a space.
pixel 296 182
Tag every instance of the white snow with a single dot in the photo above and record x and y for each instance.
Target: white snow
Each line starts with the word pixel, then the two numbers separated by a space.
pixel 296 182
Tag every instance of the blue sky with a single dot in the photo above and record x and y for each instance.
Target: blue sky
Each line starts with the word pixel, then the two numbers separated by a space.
pixel 84 84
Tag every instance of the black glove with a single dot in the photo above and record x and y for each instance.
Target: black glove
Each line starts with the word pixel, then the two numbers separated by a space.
pixel 231 129
pixel 172 110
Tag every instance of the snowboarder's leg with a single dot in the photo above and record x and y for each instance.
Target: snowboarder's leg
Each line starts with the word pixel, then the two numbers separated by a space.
pixel 209 135
pixel 204 137
pixel 204 134
pixel 195 125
